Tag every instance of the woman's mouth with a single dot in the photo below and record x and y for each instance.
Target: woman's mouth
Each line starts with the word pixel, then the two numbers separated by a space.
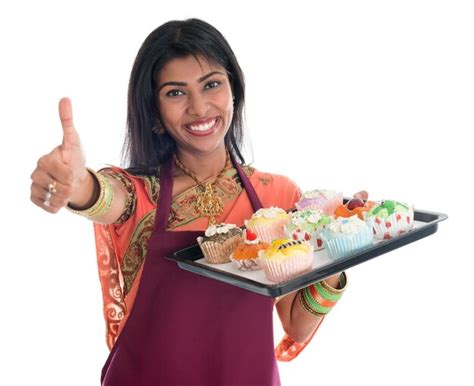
pixel 202 128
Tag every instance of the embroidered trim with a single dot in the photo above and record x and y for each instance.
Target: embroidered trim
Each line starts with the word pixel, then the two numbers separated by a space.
pixel 131 200
pixel 136 251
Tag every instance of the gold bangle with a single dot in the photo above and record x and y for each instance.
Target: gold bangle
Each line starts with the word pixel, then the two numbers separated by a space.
pixel 342 280
pixel 103 202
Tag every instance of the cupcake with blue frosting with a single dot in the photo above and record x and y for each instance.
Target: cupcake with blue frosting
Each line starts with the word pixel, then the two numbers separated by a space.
pixel 346 236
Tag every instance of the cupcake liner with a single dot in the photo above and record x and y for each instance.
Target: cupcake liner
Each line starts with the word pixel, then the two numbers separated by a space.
pixel 328 206
pixel 392 226
pixel 314 238
pixel 245 264
pixel 218 253
pixel 283 270
pixel 344 245
pixel 268 233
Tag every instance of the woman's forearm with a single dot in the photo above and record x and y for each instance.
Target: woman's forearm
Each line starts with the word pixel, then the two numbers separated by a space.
pixel 297 322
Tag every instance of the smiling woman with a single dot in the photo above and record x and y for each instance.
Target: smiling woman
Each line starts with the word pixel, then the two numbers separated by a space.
pixel 185 172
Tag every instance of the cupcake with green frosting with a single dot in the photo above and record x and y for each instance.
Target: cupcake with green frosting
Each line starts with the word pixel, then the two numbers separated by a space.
pixel 390 218
pixel 307 225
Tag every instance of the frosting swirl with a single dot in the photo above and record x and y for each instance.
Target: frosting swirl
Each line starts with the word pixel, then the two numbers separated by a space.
pixel 219 229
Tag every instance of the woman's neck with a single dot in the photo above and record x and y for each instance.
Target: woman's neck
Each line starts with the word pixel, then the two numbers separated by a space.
pixel 203 166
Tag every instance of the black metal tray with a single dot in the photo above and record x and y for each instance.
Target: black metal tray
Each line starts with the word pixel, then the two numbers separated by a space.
pixel 191 259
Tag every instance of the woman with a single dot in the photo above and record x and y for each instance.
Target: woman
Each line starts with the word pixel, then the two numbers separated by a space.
pixel 185 105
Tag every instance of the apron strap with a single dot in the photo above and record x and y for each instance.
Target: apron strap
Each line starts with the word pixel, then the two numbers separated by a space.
pixel 163 208
pixel 165 195
pixel 251 193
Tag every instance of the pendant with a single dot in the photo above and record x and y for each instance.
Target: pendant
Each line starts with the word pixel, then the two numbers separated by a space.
pixel 209 204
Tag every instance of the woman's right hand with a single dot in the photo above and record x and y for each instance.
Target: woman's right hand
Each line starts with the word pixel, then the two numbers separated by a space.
pixel 62 172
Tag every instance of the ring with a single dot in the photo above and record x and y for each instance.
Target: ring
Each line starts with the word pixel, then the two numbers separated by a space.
pixel 52 187
pixel 49 193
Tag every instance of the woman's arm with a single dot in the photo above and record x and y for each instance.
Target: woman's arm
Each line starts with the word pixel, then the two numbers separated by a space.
pixel 296 321
pixel 61 178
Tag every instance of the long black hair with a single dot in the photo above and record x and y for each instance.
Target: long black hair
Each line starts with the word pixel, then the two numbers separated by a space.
pixel 144 149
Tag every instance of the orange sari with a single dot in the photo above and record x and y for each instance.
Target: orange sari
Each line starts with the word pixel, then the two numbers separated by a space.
pixel 121 247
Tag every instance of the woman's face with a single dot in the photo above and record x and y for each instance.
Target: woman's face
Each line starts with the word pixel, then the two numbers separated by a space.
pixel 195 100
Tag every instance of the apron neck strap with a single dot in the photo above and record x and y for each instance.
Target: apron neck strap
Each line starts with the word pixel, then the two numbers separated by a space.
pixel 163 208
pixel 251 193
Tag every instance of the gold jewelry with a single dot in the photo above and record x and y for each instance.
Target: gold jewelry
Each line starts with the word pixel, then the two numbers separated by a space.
pixel 208 203
pixel 103 202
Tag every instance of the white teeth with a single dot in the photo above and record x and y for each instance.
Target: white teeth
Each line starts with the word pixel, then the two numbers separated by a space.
pixel 203 127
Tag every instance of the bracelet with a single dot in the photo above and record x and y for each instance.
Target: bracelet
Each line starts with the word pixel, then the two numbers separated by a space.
pixel 319 298
pixel 103 202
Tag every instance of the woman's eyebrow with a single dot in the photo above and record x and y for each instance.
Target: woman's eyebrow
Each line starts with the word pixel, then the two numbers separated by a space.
pixel 200 80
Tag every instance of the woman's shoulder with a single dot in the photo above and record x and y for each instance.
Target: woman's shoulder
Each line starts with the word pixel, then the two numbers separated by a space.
pixel 271 179
pixel 275 189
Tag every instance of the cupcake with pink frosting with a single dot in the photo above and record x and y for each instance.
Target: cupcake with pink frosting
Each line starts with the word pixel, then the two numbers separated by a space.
pixel 325 200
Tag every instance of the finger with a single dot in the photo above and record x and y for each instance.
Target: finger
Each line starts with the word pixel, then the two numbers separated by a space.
pixel 51 165
pixel 363 195
pixel 41 182
pixel 39 201
pixel 65 115
pixel 70 135
pixel 40 195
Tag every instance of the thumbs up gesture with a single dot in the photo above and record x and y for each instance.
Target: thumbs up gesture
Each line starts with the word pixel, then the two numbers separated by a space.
pixel 61 177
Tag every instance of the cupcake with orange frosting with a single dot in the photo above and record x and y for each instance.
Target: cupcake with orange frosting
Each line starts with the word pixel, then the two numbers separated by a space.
pixel 246 253
pixel 286 259
pixel 356 206
pixel 268 223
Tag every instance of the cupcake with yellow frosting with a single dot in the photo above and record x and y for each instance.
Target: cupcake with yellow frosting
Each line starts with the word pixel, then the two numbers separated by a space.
pixel 286 259
pixel 219 241
pixel 268 223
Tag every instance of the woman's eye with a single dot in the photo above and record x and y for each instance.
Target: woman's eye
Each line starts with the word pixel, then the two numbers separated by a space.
pixel 174 93
pixel 212 84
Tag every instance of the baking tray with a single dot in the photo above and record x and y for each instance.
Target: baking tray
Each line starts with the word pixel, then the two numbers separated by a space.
pixel 191 259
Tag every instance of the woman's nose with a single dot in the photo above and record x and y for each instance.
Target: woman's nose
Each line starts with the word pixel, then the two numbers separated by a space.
pixel 198 105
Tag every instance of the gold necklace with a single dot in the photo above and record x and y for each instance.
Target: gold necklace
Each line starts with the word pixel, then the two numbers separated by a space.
pixel 208 203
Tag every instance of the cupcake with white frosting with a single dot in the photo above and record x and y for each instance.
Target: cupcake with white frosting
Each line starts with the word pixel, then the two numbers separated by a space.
pixel 268 223
pixel 346 236
pixel 307 225
pixel 219 241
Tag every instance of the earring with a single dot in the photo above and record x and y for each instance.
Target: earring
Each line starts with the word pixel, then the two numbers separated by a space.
pixel 158 128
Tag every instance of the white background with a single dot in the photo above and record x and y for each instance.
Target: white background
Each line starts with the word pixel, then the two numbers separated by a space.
pixel 344 95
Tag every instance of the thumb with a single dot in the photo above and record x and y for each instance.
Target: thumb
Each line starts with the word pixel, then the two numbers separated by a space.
pixel 70 135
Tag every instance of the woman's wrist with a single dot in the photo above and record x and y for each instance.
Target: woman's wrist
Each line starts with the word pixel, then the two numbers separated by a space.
pixel 319 298
pixel 100 201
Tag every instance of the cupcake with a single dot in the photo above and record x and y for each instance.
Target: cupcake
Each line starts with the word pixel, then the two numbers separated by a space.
pixel 246 253
pixel 268 223
pixel 345 236
pixel 326 200
pixel 390 219
pixel 219 241
pixel 286 259
pixel 355 206
pixel 307 225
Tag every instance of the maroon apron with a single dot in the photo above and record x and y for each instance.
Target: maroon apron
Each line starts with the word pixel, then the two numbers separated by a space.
pixel 186 329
